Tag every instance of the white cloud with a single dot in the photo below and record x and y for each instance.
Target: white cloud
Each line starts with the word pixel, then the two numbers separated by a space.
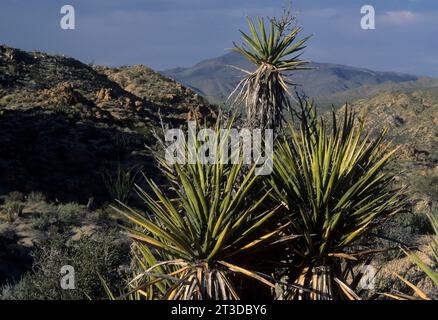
pixel 399 17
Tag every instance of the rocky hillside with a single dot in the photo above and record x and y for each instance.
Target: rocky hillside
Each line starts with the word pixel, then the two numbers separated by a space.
pixel 64 122
pixel 147 84
pixel 371 90
pixel 412 122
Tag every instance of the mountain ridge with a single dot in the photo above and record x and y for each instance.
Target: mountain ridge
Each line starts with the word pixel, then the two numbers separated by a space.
pixel 327 83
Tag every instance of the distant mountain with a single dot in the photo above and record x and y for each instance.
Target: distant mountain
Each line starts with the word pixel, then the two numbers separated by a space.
pixel 327 83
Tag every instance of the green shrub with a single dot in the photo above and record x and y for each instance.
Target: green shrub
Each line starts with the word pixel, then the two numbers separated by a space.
pixel 103 253
pixel 12 210
pixel 15 196
pixel 62 217
pixel 35 197
pixel 70 213
pixel 119 184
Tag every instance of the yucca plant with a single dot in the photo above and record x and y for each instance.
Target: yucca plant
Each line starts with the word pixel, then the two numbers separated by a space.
pixel 274 50
pixel 120 183
pixel 333 184
pixel 194 239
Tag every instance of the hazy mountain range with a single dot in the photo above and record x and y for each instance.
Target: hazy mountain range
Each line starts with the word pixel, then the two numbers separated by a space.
pixel 327 83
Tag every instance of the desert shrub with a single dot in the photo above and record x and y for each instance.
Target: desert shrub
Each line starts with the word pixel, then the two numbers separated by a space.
pixel 103 215
pixel 15 196
pixel 61 217
pixel 35 197
pixel 45 217
pixel 12 210
pixel 119 184
pixel 103 253
pixel 70 213
pixel 44 221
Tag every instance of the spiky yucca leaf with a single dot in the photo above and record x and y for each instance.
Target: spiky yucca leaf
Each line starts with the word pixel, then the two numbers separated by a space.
pixel 200 233
pixel 334 187
pixel 264 92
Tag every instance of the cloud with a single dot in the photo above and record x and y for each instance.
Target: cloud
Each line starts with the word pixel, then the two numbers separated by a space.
pixel 399 17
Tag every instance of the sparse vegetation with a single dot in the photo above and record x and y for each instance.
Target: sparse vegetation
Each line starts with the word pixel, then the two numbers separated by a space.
pixel 210 230
pixel 103 254
pixel 55 235
pixel 36 197
pixel 12 210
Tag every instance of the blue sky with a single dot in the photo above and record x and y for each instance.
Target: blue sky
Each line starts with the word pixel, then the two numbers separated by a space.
pixel 169 33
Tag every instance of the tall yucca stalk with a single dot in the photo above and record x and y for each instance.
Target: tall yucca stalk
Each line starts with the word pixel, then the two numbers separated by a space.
pixel 196 237
pixel 265 92
pixel 333 184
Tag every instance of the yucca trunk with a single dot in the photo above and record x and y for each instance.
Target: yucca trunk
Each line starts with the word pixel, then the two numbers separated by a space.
pixel 318 281
pixel 268 98
pixel 203 282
